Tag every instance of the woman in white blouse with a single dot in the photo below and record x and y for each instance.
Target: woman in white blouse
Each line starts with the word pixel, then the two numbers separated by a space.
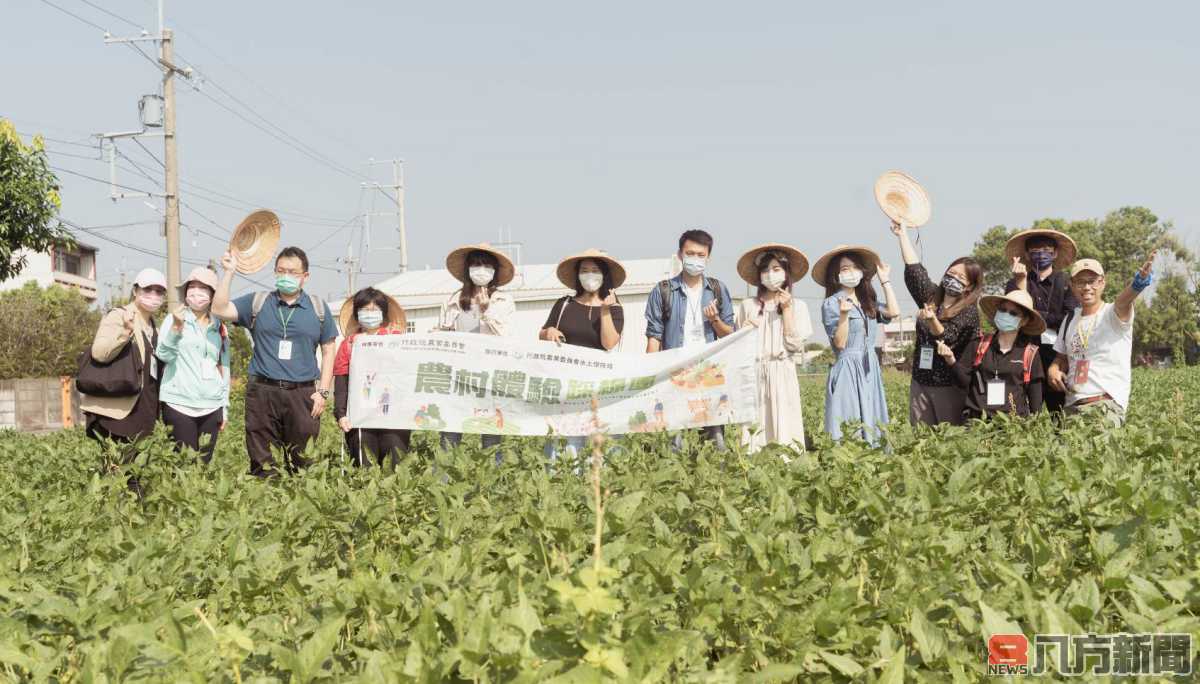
pixel 783 326
pixel 479 306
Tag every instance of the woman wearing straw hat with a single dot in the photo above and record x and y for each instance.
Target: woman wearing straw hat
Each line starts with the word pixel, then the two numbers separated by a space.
pixel 592 317
pixel 947 314
pixel 1002 371
pixel 479 306
pixel 783 326
pixel 1040 259
pixel 851 315
pixel 368 312
pixel 194 348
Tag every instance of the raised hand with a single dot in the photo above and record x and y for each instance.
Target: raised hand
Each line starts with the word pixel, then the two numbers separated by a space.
pixel 945 352
pixel 482 299
pixel 177 321
pixel 610 300
pixel 846 305
pixel 927 312
pixel 710 311
pixel 229 261
pixel 1019 270
pixel 897 228
pixel 884 271
pixel 784 300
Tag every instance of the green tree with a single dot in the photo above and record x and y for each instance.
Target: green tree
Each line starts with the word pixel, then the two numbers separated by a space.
pixel 29 202
pixel 1121 242
pixel 43 331
pixel 1168 320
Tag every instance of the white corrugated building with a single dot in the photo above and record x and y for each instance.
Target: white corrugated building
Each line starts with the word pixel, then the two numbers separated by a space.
pixel 535 289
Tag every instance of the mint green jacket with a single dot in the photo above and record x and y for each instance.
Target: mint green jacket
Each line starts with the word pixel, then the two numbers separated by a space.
pixel 195 364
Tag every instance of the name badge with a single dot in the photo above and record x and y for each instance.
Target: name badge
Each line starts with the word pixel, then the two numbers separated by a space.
pixel 285 350
pixel 995 393
pixel 926 360
pixel 1081 372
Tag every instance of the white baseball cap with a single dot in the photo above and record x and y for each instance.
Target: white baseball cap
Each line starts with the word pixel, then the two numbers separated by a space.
pixel 148 277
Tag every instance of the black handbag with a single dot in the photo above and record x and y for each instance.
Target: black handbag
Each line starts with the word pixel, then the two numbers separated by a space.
pixel 121 377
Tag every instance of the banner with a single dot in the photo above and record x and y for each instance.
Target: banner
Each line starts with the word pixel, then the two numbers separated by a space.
pixel 472 383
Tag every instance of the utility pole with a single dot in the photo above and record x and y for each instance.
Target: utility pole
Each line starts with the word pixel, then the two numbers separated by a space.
pixel 157 112
pixel 397 188
pixel 171 162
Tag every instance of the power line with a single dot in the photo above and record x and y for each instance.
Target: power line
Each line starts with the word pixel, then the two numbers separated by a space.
pixel 113 15
pixel 72 14
pixel 101 180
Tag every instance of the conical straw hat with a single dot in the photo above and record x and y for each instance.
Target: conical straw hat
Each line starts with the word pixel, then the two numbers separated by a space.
pixel 456 263
pixel 396 319
pixel 566 270
pixel 1034 326
pixel 868 256
pixel 254 241
pixel 1067 250
pixel 903 199
pixel 748 269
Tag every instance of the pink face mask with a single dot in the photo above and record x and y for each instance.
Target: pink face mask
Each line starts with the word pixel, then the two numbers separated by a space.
pixel 150 301
pixel 198 298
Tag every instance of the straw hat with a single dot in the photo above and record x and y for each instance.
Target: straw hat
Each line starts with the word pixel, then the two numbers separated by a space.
pixel 396 318
pixel 1067 250
pixel 747 266
pixel 569 267
pixel 456 263
pixel 869 258
pixel 903 199
pixel 254 241
pixel 1035 326
pixel 200 275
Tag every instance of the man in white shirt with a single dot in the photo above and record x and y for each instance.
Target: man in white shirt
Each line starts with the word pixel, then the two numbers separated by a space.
pixel 1095 344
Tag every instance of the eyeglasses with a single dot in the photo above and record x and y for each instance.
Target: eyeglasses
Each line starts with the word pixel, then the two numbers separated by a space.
pixel 1093 283
pixel 284 271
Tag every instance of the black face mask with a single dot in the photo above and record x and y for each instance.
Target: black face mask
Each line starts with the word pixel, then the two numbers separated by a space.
pixel 951 286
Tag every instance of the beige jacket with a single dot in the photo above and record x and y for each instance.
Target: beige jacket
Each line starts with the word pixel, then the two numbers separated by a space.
pixel 494 321
pixel 110 339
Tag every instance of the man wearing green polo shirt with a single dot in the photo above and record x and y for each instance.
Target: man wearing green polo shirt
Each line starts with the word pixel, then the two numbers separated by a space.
pixel 284 400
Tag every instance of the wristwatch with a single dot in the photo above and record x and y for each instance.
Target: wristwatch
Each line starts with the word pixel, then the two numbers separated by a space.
pixel 324 393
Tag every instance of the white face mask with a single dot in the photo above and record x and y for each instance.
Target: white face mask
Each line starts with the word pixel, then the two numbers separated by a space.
pixel 772 280
pixel 694 265
pixel 481 275
pixel 591 281
pixel 850 278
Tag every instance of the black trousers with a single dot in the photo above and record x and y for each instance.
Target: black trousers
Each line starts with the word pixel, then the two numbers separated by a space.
pixel 1053 401
pixel 279 418
pixel 369 447
pixel 190 432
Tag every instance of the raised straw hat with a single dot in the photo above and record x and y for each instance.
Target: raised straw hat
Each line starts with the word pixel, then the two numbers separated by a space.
pixel 568 268
pixel 748 267
pixel 1067 249
pixel 903 199
pixel 253 242
pixel 869 258
pixel 395 319
pixel 1036 325
pixel 456 263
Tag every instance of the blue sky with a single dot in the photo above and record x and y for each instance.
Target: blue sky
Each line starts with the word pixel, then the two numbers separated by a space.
pixel 619 124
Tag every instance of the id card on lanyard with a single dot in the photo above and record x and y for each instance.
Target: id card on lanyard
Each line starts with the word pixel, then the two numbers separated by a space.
pixel 1083 366
pixel 926 360
pixel 285 345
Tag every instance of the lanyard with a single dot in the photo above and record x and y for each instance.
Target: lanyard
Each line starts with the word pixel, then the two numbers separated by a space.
pixel 1085 336
pixel 282 321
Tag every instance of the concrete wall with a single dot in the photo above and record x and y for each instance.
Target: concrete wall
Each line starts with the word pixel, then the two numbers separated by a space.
pixel 39 404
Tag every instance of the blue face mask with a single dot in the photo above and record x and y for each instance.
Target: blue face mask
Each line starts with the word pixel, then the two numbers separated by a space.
pixel 287 284
pixel 1006 322
pixel 370 319
pixel 1041 260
